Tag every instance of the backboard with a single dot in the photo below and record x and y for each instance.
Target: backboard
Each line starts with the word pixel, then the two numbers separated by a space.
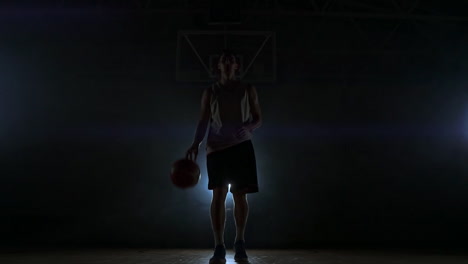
pixel 198 53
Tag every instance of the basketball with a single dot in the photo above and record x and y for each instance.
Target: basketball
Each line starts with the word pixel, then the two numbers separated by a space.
pixel 185 173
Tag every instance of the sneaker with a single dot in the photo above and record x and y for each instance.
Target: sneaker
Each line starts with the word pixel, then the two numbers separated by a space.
pixel 219 256
pixel 240 255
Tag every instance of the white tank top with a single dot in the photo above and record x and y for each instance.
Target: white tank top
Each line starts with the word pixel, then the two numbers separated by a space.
pixel 230 109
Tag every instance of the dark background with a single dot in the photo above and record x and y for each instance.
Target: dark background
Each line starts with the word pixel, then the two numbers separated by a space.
pixel 364 138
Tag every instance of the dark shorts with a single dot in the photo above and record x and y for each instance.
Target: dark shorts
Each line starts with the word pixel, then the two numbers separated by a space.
pixel 235 165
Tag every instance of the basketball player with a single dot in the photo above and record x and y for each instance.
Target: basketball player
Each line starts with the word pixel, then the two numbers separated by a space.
pixel 232 111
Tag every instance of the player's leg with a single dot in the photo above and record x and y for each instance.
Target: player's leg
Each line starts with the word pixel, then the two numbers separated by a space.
pixel 218 214
pixel 218 220
pixel 241 212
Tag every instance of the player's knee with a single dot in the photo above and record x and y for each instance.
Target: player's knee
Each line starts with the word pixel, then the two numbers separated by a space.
pixel 239 196
pixel 220 193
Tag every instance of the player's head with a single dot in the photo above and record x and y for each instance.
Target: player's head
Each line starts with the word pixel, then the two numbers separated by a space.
pixel 227 63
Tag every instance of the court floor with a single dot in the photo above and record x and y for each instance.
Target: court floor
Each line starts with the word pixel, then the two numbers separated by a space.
pixel 187 256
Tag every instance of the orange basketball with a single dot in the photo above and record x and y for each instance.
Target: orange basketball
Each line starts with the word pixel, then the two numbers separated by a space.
pixel 185 173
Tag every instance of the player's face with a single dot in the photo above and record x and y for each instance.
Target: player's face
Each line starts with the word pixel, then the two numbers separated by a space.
pixel 227 64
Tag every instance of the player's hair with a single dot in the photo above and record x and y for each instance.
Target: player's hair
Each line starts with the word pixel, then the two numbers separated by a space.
pixel 228 52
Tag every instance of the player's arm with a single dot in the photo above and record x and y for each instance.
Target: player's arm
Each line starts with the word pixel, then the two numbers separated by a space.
pixel 204 120
pixel 254 109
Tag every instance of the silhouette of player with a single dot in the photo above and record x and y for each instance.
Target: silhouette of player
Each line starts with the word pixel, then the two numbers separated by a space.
pixel 231 110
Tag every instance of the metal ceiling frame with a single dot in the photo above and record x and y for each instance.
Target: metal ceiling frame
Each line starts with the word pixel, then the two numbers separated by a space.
pixel 383 9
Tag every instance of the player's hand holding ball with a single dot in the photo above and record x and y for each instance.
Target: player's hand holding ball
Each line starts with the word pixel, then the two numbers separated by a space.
pixel 192 152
